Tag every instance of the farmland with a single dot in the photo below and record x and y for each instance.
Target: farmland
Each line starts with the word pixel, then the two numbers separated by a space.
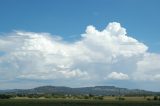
pixel 90 96
pixel 108 101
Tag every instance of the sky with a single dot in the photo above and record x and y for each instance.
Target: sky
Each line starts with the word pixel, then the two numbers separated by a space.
pixel 80 43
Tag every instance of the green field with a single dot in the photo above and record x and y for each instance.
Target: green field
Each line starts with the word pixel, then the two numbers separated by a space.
pixel 67 102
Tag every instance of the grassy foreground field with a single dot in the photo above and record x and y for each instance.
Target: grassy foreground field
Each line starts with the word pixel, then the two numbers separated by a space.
pixel 65 102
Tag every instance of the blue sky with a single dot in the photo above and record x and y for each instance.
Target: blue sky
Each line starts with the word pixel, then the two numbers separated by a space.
pixel 65 21
pixel 70 18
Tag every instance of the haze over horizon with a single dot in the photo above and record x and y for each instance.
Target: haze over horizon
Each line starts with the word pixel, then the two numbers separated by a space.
pixel 80 43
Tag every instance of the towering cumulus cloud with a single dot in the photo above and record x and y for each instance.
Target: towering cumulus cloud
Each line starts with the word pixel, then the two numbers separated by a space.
pixel 109 54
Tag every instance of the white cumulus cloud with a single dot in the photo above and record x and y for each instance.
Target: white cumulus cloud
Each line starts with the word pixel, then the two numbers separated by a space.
pixel 42 56
pixel 148 68
pixel 118 76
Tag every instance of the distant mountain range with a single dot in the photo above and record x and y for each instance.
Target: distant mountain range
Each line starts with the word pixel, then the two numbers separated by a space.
pixel 97 90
